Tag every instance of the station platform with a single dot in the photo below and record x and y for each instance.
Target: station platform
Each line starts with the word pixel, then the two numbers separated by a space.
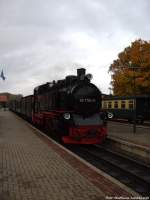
pixel 125 132
pixel 34 167
pixel 122 139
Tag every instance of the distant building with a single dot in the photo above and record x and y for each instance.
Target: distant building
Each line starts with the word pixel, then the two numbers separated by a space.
pixel 3 101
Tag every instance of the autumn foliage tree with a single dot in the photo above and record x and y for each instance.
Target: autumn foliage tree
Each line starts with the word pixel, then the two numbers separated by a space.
pixel 131 71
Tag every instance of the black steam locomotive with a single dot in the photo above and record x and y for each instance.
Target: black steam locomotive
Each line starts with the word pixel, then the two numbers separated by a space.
pixel 69 109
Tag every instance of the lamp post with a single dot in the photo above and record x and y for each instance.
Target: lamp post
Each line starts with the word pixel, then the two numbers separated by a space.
pixel 134 95
pixel 110 91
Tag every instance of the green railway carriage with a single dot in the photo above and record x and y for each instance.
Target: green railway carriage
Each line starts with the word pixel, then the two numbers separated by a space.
pixel 126 107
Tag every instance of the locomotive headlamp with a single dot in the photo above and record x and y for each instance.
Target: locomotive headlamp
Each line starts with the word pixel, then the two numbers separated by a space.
pixel 67 116
pixel 110 115
pixel 89 76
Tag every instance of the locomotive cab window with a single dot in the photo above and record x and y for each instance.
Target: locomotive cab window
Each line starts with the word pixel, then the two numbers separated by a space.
pixel 36 106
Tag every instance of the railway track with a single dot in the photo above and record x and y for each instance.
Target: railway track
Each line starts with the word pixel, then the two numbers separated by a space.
pixel 127 171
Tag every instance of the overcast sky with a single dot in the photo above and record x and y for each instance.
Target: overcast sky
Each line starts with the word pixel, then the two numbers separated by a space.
pixel 45 40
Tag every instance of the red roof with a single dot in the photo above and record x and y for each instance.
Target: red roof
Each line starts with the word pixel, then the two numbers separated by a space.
pixel 3 98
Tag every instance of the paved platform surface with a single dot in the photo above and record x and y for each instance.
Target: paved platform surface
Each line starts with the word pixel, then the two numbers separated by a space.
pixel 33 168
pixel 125 132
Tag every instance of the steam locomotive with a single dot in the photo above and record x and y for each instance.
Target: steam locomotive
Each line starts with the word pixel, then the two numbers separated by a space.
pixel 69 110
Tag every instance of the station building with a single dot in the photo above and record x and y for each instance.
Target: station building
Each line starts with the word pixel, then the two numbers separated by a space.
pixel 3 101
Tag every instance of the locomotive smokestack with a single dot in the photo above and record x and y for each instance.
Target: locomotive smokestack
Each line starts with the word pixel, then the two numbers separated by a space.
pixel 81 72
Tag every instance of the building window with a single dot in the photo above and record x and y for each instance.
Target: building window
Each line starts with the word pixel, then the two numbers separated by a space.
pixel 123 104
pixel 116 104
pixel 131 104
pixel 109 104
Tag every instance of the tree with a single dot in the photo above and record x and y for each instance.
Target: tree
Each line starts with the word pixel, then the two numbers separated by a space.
pixel 131 71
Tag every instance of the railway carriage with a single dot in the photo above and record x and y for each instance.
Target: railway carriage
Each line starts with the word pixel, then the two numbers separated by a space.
pixel 127 107
pixel 26 107
pixel 15 105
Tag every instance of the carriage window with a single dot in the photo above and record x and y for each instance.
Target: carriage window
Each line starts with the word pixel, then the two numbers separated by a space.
pixel 116 104
pixel 123 104
pixel 109 104
pixel 131 104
